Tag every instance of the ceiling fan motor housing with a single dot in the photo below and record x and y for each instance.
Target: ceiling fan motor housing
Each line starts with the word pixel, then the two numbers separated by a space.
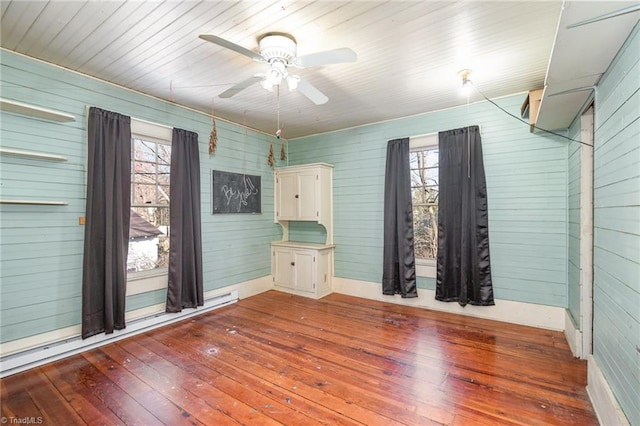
pixel 278 46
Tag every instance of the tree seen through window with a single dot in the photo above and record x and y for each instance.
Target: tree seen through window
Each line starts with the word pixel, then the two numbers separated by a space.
pixel 150 199
pixel 424 194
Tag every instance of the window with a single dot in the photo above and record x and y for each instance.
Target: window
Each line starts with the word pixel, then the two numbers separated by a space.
pixel 150 200
pixel 424 193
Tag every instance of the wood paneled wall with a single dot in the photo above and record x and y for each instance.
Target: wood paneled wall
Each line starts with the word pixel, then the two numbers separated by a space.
pixel 617 227
pixel 41 246
pixel 527 193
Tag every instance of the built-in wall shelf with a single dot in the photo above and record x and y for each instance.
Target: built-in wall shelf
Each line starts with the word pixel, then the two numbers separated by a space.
pixel 34 111
pixel 31 154
pixel 35 202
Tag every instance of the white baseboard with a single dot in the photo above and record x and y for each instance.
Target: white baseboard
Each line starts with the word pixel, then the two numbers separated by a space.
pixel 22 354
pixel 573 335
pixel 531 314
pixel 604 403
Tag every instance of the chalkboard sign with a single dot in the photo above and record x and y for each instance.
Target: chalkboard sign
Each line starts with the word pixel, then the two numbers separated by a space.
pixel 235 193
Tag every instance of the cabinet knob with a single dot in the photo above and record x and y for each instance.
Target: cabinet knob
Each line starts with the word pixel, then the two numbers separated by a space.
pixel 293 263
pixel 297 196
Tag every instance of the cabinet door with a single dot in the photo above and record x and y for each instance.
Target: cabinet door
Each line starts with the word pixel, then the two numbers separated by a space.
pixel 307 203
pixel 286 201
pixel 304 270
pixel 283 264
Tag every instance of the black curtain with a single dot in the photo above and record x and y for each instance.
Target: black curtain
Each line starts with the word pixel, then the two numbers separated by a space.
pixel 399 264
pixel 106 236
pixel 464 271
pixel 185 252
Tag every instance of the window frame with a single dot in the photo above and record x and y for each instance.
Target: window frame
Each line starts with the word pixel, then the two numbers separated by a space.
pixel 424 267
pixel 156 279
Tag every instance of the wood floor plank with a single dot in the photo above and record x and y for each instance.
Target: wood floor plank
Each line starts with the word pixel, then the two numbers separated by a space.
pixel 90 409
pixel 276 358
pixel 170 386
pixel 371 390
pixel 428 354
pixel 473 375
pixel 234 349
pixel 16 399
pixel 273 399
pixel 51 403
pixel 148 397
pixel 186 389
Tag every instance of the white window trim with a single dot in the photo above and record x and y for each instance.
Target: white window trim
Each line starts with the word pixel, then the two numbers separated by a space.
pixel 424 267
pixel 145 281
pixel 418 143
pixel 151 131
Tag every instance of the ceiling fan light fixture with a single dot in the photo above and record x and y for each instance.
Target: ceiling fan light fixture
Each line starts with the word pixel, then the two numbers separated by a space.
pixel 275 75
pixel 267 85
pixel 292 82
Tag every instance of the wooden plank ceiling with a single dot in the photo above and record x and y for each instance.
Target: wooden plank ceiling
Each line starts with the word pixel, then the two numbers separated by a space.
pixel 409 52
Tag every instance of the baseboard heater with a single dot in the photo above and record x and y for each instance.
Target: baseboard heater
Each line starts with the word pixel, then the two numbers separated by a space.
pixel 34 357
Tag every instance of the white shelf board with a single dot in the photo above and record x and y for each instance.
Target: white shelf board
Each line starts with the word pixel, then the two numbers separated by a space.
pixel 34 202
pixel 34 111
pixel 31 154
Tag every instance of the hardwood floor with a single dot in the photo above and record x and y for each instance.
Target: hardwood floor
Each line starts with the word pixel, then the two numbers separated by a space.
pixel 281 359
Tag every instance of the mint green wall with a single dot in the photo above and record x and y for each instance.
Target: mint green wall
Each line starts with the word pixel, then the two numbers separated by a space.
pixel 526 184
pixel 573 227
pixel 616 293
pixel 41 246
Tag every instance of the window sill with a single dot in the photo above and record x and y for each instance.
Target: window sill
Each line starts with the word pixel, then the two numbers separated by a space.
pixel 426 268
pixel 142 275
pixel 145 281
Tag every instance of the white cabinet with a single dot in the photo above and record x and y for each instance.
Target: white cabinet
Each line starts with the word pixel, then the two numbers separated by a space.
pixel 302 268
pixel 297 195
pixel 304 193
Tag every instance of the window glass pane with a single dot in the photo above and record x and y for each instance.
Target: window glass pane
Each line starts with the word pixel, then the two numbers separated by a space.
pixel 413 160
pixel 431 195
pixel 432 157
pixel 424 191
pixel 432 176
pixel 143 150
pixel 143 194
pixel 148 239
pixel 425 229
pixel 144 172
pixel 163 174
pixel 416 177
pixel 418 195
pixel 163 194
pixel 149 229
pixel 164 154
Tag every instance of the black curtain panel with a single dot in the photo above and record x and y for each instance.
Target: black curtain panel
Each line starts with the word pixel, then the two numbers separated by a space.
pixel 399 264
pixel 464 271
pixel 106 236
pixel 185 252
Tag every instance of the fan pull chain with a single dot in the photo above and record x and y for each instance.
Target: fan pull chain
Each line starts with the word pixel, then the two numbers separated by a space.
pixel 278 131
pixel 283 153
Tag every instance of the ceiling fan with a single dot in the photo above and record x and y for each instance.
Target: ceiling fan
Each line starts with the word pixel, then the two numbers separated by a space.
pixel 279 51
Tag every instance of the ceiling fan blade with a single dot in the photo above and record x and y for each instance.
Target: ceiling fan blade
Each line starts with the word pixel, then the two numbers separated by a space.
pixel 235 47
pixel 234 90
pixel 630 9
pixel 316 96
pixel 328 57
